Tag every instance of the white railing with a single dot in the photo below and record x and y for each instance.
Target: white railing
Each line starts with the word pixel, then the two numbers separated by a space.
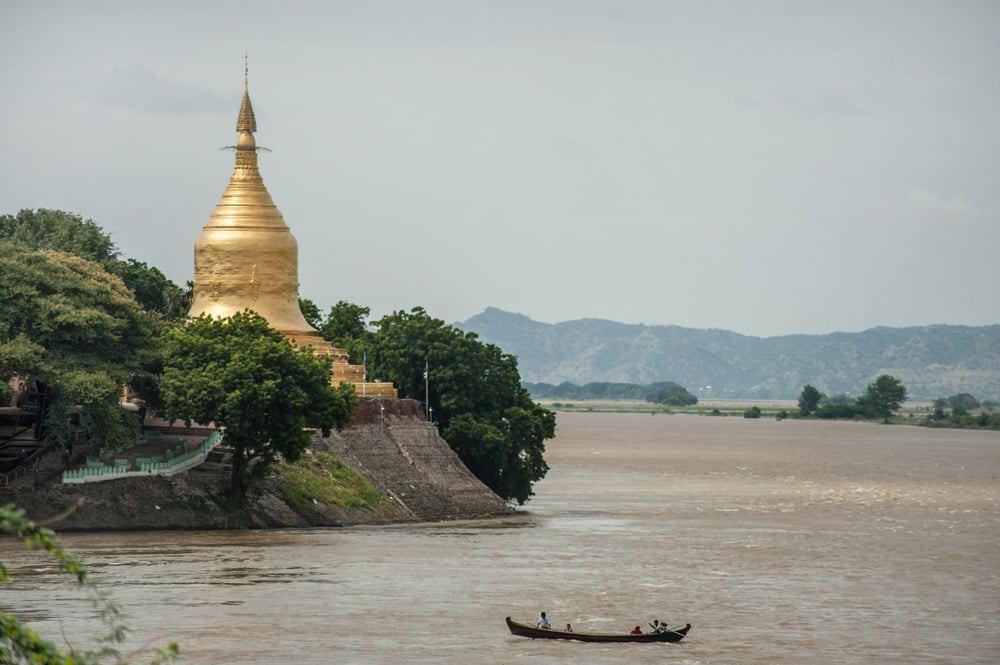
pixel 148 466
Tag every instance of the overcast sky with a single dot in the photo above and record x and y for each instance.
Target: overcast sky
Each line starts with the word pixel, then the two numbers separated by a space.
pixel 763 167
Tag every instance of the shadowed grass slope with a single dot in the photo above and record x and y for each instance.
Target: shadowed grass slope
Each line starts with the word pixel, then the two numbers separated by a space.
pixel 325 479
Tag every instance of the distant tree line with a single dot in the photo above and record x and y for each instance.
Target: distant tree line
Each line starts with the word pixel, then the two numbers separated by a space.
pixel 664 392
pixel 882 398
pixel 886 394
pixel 964 411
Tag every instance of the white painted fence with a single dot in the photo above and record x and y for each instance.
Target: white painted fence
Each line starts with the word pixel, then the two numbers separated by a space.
pixel 147 467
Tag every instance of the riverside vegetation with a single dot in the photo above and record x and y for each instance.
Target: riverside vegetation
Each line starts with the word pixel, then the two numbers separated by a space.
pixel 884 398
pixel 78 321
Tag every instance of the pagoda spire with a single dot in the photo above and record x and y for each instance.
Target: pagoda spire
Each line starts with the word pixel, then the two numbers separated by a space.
pixel 246 122
pixel 246 256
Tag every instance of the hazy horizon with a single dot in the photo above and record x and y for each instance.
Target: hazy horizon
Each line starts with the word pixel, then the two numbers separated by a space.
pixel 767 168
pixel 643 323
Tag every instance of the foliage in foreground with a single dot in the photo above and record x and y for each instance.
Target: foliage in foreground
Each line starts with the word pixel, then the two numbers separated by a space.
pixel 20 644
pixel 327 480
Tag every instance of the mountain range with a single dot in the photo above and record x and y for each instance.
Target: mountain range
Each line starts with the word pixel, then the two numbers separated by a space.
pixel 931 361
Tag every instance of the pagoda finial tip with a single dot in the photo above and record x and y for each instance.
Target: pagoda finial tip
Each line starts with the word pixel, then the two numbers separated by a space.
pixel 246 122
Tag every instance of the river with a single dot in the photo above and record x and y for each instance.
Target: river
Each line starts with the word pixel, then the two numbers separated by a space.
pixel 780 542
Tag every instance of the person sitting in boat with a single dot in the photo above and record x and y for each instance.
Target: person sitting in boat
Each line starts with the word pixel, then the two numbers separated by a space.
pixel 543 621
pixel 658 626
pixel 568 629
pixel 637 630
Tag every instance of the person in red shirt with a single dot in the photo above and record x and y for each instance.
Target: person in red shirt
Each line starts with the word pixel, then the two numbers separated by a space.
pixel 637 630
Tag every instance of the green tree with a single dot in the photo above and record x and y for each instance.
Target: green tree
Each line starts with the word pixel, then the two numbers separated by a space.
pixel 61 231
pixel 241 374
pixel 476 397
pixel 963 401
pixel 152 289
pixel 834 410
pixel 346 327
pixel 809 400
pixel 20 644
pixel 940 404
pixel 310 312
pixel 884 396
pixel 668 392
pixel 44 229
pixel 839 399
pixel 76 333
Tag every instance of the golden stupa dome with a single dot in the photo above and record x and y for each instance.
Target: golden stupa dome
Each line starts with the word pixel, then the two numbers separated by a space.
pixel 246 257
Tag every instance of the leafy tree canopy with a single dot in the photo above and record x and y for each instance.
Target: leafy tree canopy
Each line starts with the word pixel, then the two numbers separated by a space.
pixel 885 395
pixel 75 331
pixel 152 289
pixel 809 400
pixel 345 327
pixel 667 392
pixel 475 397
pixel 310 312
pixel 44 229
pixel 242 374
pixel 60 231
pixel 963 401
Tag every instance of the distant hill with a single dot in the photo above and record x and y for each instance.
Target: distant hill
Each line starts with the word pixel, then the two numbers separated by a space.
pixel 931 361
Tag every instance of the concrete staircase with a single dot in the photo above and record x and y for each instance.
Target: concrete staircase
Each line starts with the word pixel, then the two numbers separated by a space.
pixel 405 457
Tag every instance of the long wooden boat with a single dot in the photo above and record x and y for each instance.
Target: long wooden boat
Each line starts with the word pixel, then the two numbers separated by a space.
pixel 525 630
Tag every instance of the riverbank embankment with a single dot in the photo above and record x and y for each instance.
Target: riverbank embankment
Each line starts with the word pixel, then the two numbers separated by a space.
pixel 417 475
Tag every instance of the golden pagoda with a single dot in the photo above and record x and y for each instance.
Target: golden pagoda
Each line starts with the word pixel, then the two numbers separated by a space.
pixel 247 258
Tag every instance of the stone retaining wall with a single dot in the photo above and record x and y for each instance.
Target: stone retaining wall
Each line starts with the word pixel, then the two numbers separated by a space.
pixel 405 457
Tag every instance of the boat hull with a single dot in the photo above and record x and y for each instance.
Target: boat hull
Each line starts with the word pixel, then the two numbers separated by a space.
pixel 524 630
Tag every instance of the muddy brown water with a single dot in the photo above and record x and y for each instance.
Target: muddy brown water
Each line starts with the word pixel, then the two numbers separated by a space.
pixel 780 542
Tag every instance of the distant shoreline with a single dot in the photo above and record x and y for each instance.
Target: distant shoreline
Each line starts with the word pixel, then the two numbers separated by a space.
pixel 911 413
